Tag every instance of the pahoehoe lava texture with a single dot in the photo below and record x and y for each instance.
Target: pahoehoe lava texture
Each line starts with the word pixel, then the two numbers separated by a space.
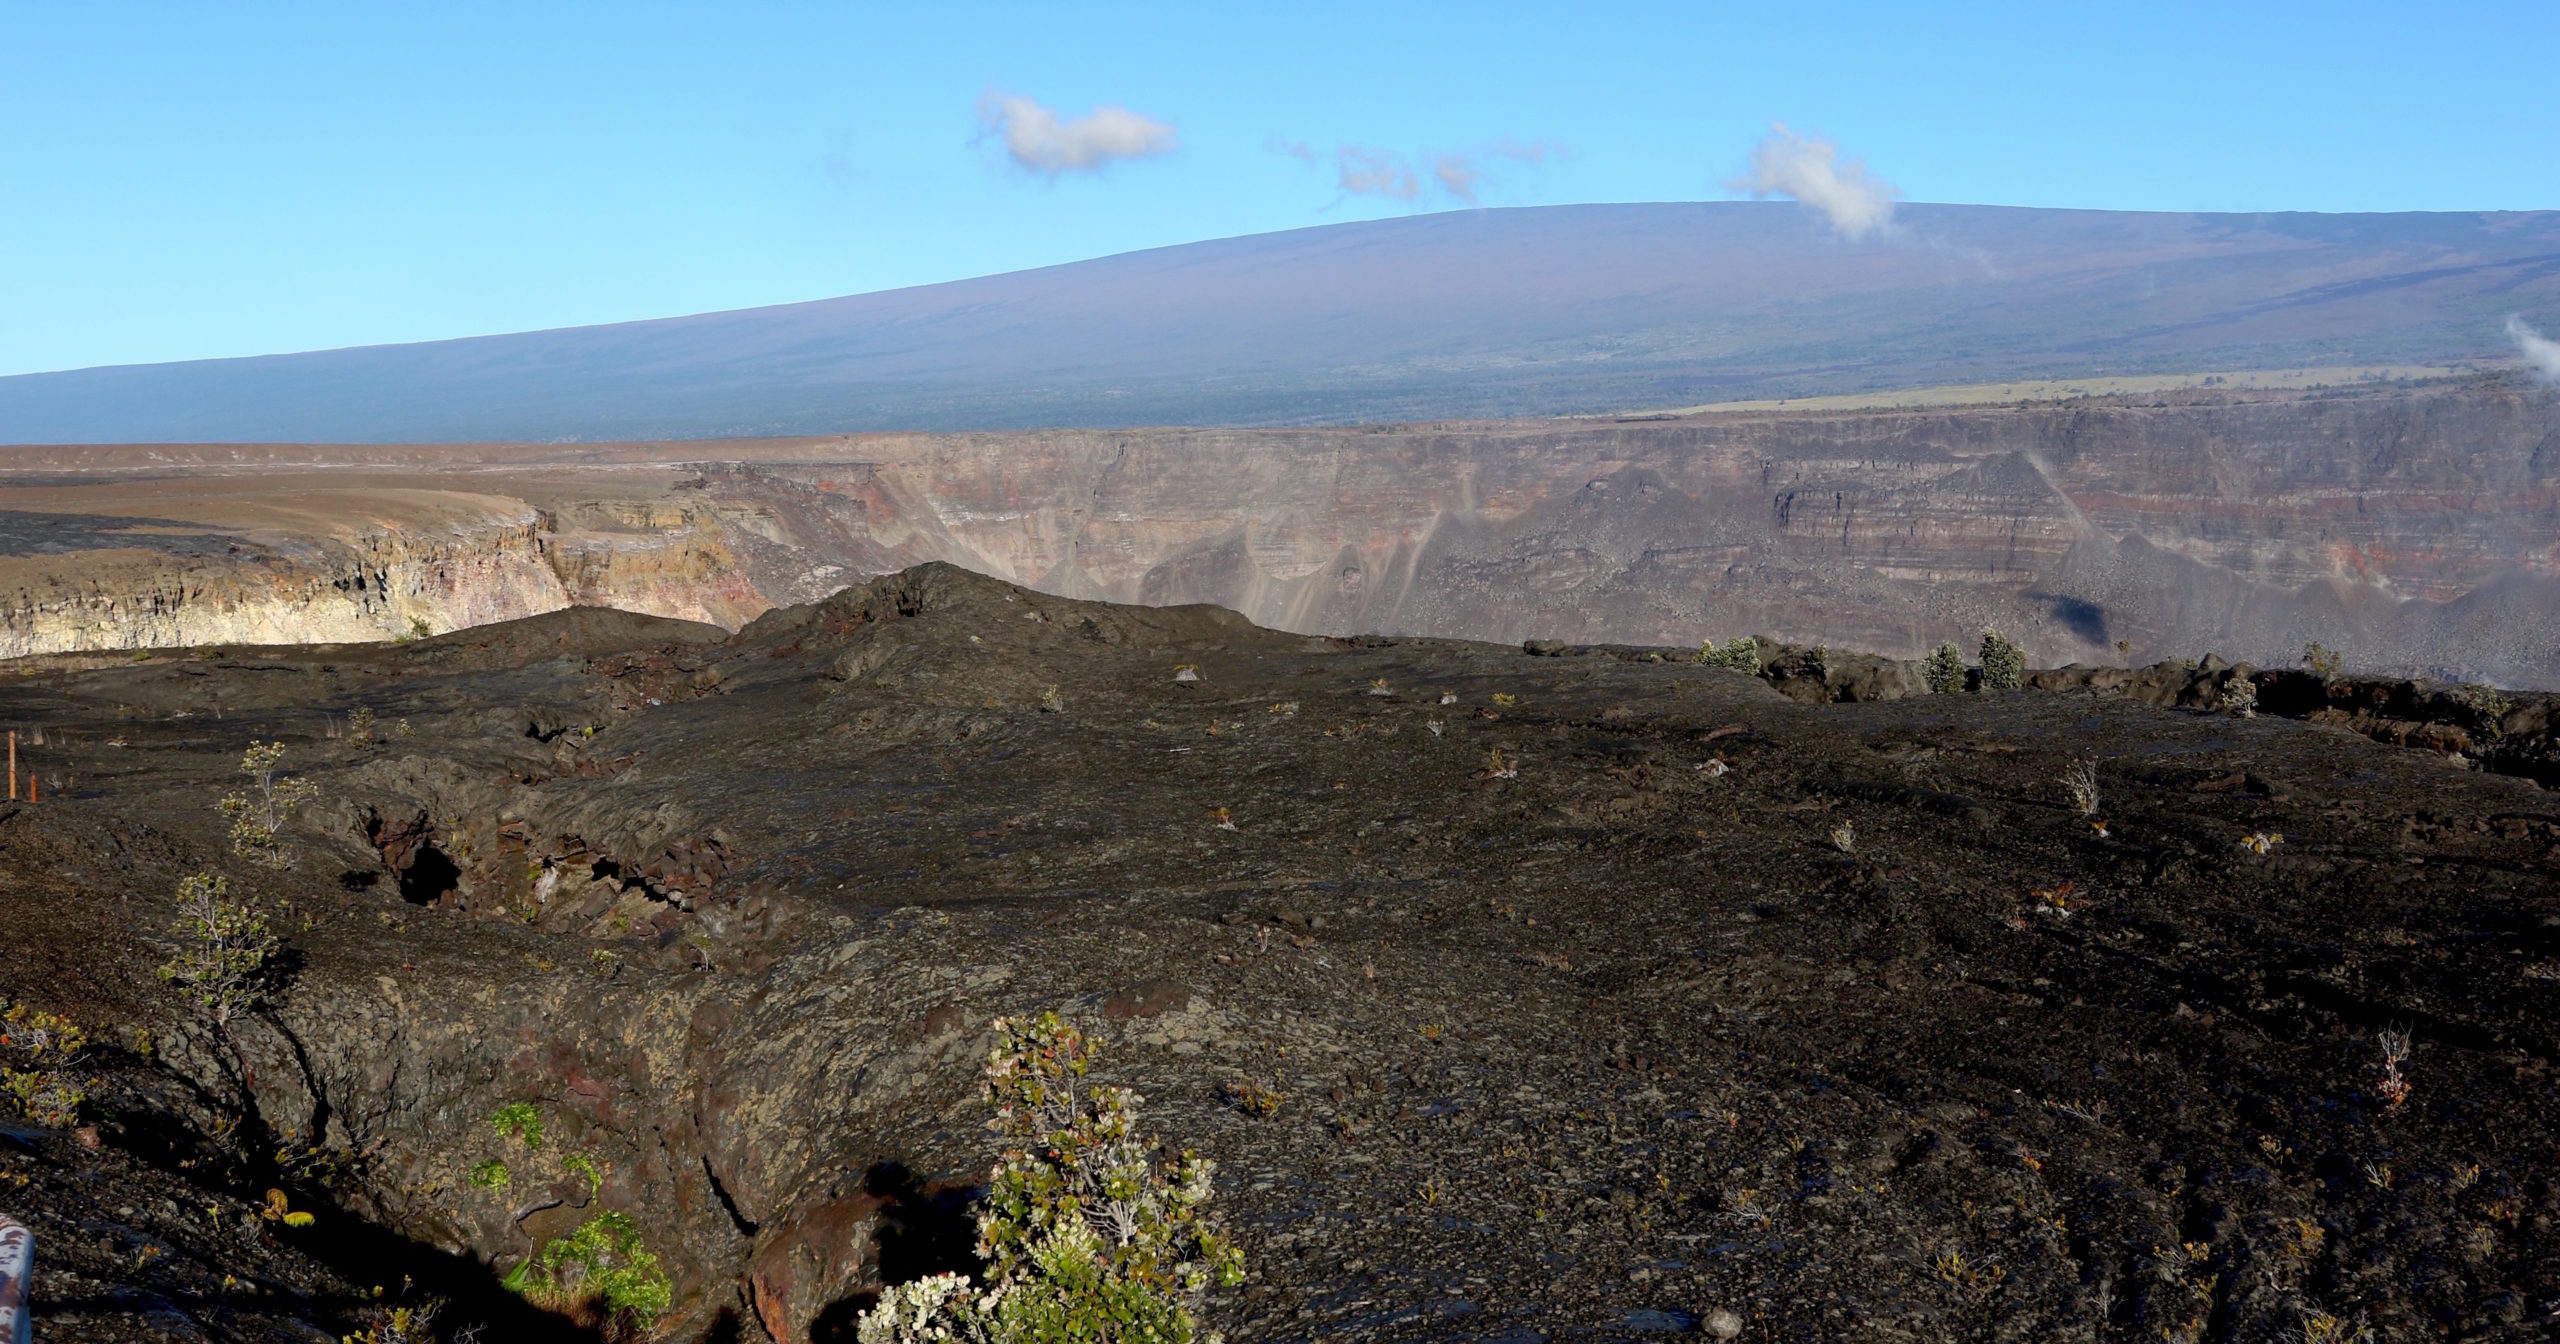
pixel 1590 1050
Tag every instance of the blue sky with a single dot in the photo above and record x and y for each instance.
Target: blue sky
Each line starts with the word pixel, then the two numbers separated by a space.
pixel 180 181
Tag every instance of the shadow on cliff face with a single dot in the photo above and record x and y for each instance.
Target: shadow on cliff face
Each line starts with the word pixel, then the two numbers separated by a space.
pixel 926 1228
pixel 2086 619
pixel 23 533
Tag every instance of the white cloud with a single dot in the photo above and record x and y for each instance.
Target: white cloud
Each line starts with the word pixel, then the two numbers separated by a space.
pixel 1811 171
pixel 1035 138
pixel 1296 149
pixel 2539 350
pixel 1367 172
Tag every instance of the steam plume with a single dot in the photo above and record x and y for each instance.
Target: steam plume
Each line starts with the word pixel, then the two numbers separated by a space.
pixel 2542 352
pixel 1810 171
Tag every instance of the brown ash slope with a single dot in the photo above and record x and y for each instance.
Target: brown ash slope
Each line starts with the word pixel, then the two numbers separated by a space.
pixel 1585 1050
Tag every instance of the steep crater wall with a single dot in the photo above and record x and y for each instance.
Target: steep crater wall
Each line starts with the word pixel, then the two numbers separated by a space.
pixel 2415 528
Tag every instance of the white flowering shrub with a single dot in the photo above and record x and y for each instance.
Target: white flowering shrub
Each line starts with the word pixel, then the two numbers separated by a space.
pixel 1086 1235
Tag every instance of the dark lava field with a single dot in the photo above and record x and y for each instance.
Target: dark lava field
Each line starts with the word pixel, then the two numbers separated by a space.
pixel 1603 995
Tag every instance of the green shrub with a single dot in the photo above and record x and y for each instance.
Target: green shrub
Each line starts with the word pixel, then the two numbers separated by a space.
pixel 602 1268
pixel 1740 655
pixel 1945 669
pixel 2322 660
pixel 2004 665
pixel 491 1175
pixel 226 958
pixel 1086 1235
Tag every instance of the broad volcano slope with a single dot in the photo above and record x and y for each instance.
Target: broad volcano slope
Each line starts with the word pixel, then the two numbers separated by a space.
pixel 1479 313
pixel 1601 993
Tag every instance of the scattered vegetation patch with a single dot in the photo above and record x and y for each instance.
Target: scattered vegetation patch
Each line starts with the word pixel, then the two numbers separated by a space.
pixel 602 1272
pixel 1253 1097
pixel 39 1057
pixel 518 1120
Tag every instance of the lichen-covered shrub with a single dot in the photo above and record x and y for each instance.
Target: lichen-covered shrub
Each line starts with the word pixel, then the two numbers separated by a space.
pixel 1086 1234
pixel 1945 669
pixel 2004 665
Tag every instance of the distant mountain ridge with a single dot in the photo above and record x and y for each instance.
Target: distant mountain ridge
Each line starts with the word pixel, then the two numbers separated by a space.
pixel 1471 314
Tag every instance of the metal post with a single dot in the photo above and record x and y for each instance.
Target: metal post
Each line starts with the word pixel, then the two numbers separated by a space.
pixel 17 1274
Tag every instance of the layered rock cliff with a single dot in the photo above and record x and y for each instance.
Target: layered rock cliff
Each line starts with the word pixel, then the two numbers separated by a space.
pixel 2415 528
pixel 351 566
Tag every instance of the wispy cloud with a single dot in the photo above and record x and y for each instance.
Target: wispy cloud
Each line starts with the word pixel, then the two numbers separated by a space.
pixel 1457 174
pixel 1534 153
pixel 2542 352
pixel 1362 171
pixel 1037 139
pixel 1368 172
pixel 1810 170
